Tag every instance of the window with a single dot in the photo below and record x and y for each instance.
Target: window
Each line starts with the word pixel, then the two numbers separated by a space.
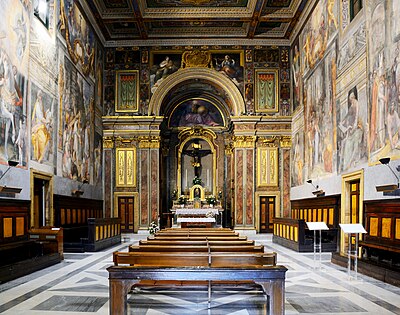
pixel 355 7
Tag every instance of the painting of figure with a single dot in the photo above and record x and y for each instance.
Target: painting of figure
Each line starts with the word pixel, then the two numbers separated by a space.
pixel 14 55
pixel 79 36
pixel 319 91
pixel 296 74
pixel 229 64
pixel 77 120
pixel 196 112
pixel 318 33
pixel 352 131
pixel 98 157
pixel 298 158
pixel 384 81
pixel 162 66
pixel 42 125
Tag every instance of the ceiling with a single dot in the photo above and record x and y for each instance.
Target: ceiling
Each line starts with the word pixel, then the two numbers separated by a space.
pixel 120 20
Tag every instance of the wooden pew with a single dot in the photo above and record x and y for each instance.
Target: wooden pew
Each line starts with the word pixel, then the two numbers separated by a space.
pixel 197 238
pixel 197 248
pixel 260 268
pixel 193 259
pixel 196 242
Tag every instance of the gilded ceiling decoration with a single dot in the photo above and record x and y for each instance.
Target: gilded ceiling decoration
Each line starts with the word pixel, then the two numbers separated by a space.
pixel 219 19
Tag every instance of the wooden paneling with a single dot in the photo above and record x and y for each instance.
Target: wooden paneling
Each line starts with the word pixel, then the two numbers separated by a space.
pixel 324 209
pixel 72 211
pixel 14 218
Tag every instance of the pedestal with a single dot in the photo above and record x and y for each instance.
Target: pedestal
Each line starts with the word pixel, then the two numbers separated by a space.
pixel 350 229
pixel 317 226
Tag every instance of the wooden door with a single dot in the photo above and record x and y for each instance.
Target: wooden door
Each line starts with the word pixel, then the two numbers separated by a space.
pixel 267 211
pixel 126 213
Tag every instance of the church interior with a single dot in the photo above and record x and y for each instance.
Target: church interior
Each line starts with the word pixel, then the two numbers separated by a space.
pixel 199 157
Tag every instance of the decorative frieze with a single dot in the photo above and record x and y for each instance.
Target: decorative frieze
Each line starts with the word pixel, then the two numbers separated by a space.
pixel 244 141
pixel 108 142
pixel 149 142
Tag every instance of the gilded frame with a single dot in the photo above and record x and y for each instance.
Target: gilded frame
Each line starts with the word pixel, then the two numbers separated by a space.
pixel 259 107
pixel 267 167
pixel 132 105
pixel 125 164
pixel 49 208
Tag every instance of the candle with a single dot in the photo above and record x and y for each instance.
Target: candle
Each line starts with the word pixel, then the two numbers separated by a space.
pixel 186 179
pixel 208 178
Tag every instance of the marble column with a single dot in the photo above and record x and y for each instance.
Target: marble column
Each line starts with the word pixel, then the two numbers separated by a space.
pixel 149 161
pixel 244 167
pixel 108 145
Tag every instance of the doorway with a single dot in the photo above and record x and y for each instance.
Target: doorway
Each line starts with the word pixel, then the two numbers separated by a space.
pixel 351 203
pixel 126 210
pixel 267 213
pixel 41 200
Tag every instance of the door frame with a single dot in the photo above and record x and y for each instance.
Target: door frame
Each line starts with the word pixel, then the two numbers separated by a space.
pixel 345 204
pixel 135 196
pixel 257 195
pixel 35 174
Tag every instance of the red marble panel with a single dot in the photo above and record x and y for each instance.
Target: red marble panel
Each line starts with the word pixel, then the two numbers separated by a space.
pixel 154 185
pixel 144 188
pixel 108 180
pixel 239 186
pixel 286 183
pixel 250 187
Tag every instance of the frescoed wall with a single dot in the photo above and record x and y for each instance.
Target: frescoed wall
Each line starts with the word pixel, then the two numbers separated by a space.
pixel 384 79
pixel 77 124
pixel 319 98
pixel 43 119
pixel 14 61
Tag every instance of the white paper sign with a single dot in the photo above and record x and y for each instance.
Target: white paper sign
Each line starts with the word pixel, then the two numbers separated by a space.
pixel 352 228
pixel 317 226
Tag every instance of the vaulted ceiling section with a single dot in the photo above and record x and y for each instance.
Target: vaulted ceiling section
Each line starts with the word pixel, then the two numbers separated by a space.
pixel 211 19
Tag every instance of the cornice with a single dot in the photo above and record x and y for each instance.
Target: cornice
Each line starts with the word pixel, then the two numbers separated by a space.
pixel 197 42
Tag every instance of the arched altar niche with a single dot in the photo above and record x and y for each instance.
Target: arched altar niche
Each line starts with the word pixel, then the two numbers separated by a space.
pixel 197 157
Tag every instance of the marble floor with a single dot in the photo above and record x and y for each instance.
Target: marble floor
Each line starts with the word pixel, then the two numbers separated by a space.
pixel 79 285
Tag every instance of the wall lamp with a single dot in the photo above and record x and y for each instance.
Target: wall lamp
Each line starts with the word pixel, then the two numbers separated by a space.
pixel 79 192
pixel 8 189
pixel 392 187
pixel 317 192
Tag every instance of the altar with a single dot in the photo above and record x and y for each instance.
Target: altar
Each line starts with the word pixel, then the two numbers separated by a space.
pixel 197 217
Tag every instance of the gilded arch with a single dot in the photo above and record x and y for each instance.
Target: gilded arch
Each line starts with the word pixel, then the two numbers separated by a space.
pixel 233 93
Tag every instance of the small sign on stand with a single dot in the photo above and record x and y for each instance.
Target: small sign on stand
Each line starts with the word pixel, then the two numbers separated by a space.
pixel 317 226
pixel 355 228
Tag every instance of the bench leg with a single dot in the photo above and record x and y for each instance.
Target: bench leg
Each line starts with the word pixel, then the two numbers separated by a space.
pixel 275 289
pixel 119 289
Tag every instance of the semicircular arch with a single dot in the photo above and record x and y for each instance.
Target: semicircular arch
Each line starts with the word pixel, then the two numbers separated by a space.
pixel 237 106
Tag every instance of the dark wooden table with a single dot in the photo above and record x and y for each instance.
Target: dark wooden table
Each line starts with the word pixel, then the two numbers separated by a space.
pixel 271 279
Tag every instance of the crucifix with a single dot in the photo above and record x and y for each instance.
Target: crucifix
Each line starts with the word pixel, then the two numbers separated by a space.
pixel 196 153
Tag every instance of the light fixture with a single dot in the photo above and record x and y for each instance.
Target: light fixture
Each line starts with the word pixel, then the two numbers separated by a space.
pixel 390 187
pixel 317 192
pixel 79 192
pixel 8 189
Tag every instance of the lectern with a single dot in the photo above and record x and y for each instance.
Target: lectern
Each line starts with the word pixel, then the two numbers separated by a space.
pixel 350 229
pixel 317 226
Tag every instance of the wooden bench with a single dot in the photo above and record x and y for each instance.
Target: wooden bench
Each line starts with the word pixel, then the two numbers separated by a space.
pixel 196 238
pixel 196 242
pixel 197 248
pixel 258 267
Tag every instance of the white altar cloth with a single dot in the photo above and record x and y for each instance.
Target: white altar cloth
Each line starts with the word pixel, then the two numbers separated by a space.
pixel 186 219
pixel 186 211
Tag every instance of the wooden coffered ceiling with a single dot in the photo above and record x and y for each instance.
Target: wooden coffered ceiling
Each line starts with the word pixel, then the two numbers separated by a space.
pixel 120 20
